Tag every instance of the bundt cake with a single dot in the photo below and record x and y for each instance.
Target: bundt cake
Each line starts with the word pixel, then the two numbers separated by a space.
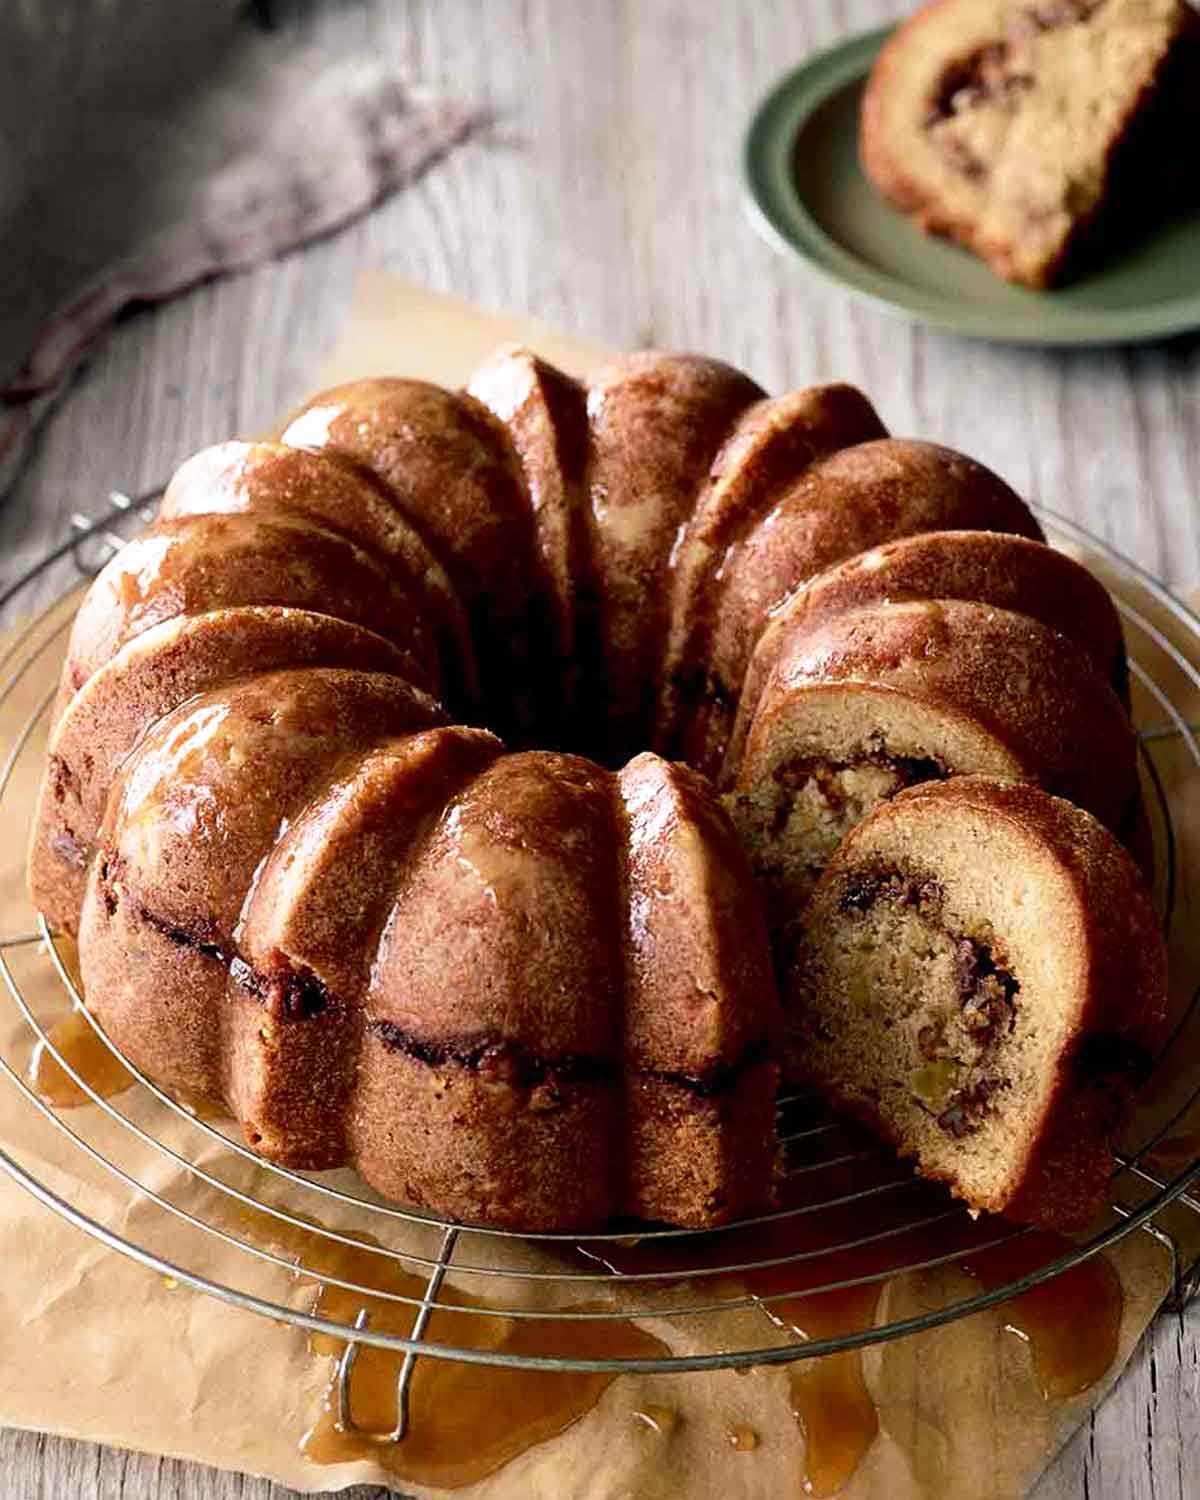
pixel 509 984
pixel 961 984
pixel 1011 124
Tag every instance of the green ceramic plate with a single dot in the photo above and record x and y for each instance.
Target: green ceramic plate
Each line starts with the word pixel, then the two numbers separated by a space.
pixel 809 197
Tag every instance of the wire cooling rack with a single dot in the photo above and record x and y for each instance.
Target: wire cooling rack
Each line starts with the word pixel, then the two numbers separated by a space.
pixel 177 1191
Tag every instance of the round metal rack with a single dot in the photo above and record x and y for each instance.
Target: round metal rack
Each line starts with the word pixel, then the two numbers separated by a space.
pixel 188 1175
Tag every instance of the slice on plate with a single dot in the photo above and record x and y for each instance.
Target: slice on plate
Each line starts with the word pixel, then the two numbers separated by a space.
pixel 1016 126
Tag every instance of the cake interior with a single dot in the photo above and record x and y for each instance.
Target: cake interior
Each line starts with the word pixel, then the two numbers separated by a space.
pixel 840 754
pixel 949 1041
pixel 795 821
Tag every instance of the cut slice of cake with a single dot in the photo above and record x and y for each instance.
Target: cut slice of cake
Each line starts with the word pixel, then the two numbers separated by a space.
pixel 981 977
pixel 1011 124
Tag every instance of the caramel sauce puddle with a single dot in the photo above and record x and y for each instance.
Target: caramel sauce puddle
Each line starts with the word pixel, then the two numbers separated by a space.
pixel 76 1040
pixel 741 1437
pixel 82 1049
pixel 465 1421
pixel 1071 1323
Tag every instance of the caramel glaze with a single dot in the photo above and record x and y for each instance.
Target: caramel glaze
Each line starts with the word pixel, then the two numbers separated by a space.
pixel 465 1421
pixel 74 1038
pixel 77 1042
pixel 201 1106
pixel 660 1420
pixel 741 1438
pixel 1071 1324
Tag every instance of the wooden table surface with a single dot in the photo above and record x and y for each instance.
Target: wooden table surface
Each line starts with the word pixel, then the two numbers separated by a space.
pixel 602 195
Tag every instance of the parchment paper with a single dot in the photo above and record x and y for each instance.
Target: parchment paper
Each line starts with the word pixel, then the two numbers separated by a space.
pixel 95 1346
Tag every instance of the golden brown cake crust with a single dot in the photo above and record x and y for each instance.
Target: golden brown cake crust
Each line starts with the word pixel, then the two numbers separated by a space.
pixel 545 413
pixel 1014 573
pixel 770 446
pixel 857 497
pixel 153 674
pixel 236 477
pixel 1032 689
pixel 655 422
pixel 451 469
pixel 311 927
pixel 199 563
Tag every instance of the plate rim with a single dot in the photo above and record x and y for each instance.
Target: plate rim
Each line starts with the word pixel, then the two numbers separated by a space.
pixel 777 118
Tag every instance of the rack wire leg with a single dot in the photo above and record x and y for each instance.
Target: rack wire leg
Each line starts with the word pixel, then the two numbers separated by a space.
pixel 408 1366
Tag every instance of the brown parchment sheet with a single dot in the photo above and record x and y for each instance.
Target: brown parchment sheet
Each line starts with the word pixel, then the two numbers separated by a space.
pixel 96 1346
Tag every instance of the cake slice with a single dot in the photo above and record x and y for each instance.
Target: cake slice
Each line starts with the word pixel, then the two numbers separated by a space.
pixel 982 978
pixel 1011 124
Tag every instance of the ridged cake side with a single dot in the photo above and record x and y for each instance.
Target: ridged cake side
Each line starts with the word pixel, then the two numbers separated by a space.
pixel 124 699
pixel 1011 572
pixel 468 974
pixel 855 498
